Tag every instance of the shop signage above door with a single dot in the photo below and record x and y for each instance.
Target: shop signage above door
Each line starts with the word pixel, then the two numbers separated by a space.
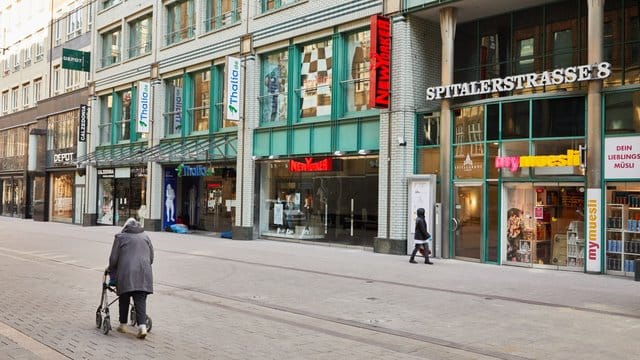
pixel 62 158
pixel 309 164
pixel 106 173
pixel 194 170
pixel 523 81
pixel 621 157
pixel 380 59
pixel 513 163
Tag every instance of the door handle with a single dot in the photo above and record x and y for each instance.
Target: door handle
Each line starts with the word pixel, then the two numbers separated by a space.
pixel 455 224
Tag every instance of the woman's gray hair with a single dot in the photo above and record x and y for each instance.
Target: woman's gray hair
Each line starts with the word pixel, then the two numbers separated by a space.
pixel 130 221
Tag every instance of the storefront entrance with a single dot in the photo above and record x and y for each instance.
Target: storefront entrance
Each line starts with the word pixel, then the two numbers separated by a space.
pixel 544 224
pixel 467 234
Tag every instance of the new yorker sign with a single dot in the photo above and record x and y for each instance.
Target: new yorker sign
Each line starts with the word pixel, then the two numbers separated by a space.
pixel 517 82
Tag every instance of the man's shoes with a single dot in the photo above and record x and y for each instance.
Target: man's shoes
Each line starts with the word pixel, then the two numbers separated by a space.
pixel 142 331
pixel 122 328
pixel 413 261
pixel 428 262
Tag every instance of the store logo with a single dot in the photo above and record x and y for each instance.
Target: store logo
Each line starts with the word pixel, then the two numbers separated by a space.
pixel 513 163
pixel 62 158
pixel 233 88
pixel 380 55
pixel 308 165
pixel 198 170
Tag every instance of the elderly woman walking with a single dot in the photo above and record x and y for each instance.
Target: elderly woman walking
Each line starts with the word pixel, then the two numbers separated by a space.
pixel 130 264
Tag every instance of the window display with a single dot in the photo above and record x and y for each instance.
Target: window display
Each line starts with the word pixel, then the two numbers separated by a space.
pixel 545 224
pixel 622 227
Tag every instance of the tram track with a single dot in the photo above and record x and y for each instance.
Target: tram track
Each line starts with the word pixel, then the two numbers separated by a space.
pixel 309 320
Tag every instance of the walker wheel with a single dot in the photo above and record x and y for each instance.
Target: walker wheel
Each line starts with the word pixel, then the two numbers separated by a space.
pixel 98 318
pixel 106 325
pixel 149 323
pixel 132 316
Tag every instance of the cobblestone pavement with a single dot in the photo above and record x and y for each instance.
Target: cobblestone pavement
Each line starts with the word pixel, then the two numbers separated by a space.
pixel 225 299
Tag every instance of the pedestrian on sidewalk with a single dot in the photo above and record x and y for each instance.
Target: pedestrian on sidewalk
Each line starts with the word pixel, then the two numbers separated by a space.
pixel 421 239
pixel 130 263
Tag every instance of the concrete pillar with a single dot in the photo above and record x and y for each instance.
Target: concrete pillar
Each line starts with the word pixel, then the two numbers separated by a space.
pixel 448 21
pixel 594 103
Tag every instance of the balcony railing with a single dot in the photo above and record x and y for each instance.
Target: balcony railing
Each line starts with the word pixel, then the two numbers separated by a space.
pixel 179 35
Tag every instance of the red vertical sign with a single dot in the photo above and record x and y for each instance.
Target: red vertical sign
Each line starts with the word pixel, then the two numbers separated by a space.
pixel 380 59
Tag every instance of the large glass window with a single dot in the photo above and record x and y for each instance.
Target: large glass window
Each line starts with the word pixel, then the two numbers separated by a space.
pixel 140 36
pixel 315 79
pixel 74 23
pixel 173 114
pixel 558 117
pixel 357 83
pixel 199 111
pixel 62 197
pixel 273 101
pixel 622 113
pixel 222 12
pixel 515 120
pixel 123 118
pixel 181 21
pixel 621 37
pixel 61 131
pixel 110 47
pixel 106 110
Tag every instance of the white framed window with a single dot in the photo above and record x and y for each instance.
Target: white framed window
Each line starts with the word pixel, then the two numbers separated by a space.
pixel 7 66
pixel 15 61
pixel 56 79
pixel 140 36
pixel 72 79
pixel 26 88
pixel 39 50
pixel 57 31
pixel 27 56
pixel 74 23
pixel 111 47
pixel 90 10
pixel 5 101
pixel 37 90
pixel 14 98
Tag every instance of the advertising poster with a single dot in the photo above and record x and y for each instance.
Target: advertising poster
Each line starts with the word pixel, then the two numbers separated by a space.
pixel 169 198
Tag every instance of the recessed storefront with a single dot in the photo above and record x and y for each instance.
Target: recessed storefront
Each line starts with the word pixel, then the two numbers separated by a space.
pixel 325 199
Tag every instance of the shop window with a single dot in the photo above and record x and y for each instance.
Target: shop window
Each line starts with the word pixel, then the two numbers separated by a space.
pixel 622 239
pixel 356 86
pixel 558 117
pixel 220 13
pixel 218 98
pixel 61 131
pixel 140 36
pixel 569 148
pixel 493 121
pixel 110 47
pixel 622 113
pixel 428 160
pixel 315 79
pixel 199 111
pixel 123 117
pixel 468 161
pixel 106 110
pixel 428 130
pixel 173 114
pixel 512 150
pixel 273 99
pixel 181 21
pixel 515 120
pixel 469 124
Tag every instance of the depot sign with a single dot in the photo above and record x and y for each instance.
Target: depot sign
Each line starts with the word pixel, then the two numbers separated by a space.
pixel 518 82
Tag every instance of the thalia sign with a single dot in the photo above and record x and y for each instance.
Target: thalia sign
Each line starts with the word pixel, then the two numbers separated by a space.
pixel 523 81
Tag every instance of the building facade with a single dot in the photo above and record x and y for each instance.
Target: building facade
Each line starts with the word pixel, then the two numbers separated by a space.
pixel 269 120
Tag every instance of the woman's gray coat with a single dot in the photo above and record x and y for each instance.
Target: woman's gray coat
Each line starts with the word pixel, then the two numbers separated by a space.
pixel 131 258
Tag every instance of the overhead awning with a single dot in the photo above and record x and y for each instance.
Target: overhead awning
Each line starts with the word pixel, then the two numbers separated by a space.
pixel 195 149
pixel 206 148
pixel 129 154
